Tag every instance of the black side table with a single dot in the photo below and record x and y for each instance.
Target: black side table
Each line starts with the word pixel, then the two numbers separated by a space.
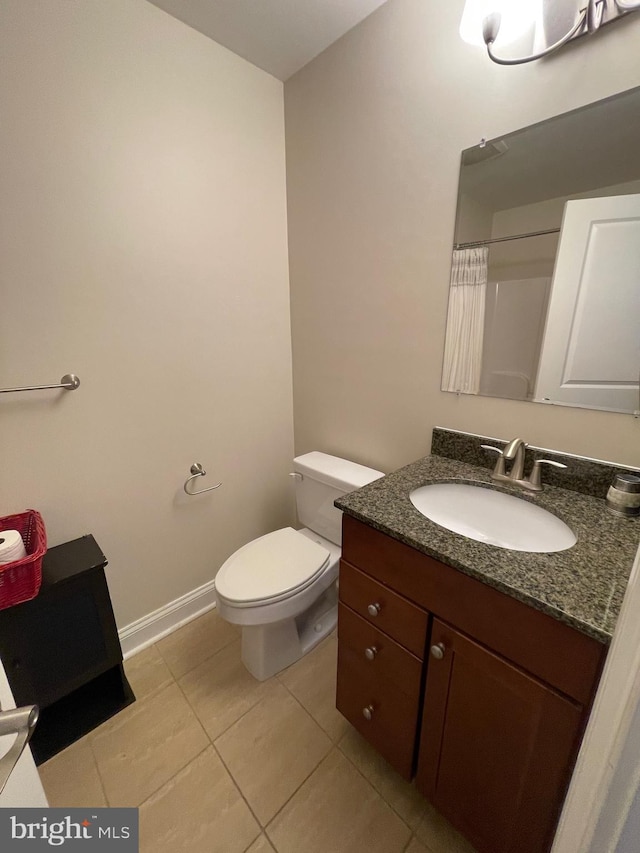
pixel 61 650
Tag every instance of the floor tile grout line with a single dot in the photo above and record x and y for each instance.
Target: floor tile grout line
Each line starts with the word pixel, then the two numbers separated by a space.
pixel 321 727
pixel 239 789
pixel 306 779
pixel 293 793
pixel 251 843
pixel 199 663
pixel 311 772
pixel 166 782
pixel 305 657
pixel 97 766
pixel 277 678
pixel 148 695
pixel 378 792
pixel 171 778
pixel 270 840
pixel 193 711
pixel 274 679
pixel 187 624
pixel 337 745
pixel 153 694
pixel 213 743
pixel 129 710
pixel 413 838
pixel 230 726
pixel 334 744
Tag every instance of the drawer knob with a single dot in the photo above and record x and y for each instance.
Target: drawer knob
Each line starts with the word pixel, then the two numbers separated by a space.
pixel 373 609
pixel 438 651
pixel 371 652
pixel 367 712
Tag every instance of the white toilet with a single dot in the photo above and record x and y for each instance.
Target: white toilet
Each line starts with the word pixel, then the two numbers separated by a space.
pixel 282 587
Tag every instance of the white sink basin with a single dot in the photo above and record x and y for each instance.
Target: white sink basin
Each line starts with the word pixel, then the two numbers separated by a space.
pixel 493 517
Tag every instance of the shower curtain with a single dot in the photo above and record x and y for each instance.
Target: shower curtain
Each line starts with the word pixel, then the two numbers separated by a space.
pixel 465 321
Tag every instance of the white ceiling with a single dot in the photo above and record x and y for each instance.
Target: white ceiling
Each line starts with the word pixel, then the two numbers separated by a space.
pixel 279 36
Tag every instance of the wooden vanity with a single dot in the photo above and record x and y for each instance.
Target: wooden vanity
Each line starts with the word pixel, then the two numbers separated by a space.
pixel 478 696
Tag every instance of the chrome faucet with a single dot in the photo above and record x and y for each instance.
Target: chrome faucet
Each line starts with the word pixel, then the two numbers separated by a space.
pixel 514 452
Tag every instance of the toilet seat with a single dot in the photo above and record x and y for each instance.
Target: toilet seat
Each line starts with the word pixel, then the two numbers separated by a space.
pixel 271 568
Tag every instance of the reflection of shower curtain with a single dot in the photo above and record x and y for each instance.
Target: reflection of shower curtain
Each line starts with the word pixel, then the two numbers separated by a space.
pixel 465 321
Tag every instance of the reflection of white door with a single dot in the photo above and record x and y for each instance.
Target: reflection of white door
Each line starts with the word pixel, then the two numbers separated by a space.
pixel 591 348
pixel 23 787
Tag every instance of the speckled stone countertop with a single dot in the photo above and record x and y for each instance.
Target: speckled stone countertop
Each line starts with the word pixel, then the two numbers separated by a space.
pixel 582 586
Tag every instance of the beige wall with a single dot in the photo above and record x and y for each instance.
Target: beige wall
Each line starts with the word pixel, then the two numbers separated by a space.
pixel 143 247
pixel 375 126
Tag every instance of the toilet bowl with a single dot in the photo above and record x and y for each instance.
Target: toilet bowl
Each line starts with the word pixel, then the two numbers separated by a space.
pixel 282 587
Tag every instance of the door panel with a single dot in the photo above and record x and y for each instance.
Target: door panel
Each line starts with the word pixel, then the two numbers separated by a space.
pixel 496 747
pixel 591 348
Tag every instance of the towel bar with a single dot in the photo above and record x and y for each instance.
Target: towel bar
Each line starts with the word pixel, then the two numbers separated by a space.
pixel 69 382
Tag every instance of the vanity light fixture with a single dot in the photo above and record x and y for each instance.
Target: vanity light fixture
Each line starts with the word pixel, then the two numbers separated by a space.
pixel 504 21
pixel 516 18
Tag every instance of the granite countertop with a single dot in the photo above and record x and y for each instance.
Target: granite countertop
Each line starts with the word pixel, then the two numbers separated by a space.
pixel 582 586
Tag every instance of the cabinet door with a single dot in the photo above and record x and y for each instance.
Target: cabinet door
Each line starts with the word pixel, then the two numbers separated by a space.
pixel 496 746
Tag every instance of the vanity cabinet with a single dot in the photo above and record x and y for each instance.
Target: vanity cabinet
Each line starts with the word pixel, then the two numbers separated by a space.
pixel 481 698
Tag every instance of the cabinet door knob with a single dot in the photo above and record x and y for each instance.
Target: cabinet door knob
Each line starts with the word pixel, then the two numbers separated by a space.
pixel 371 652
pixel 438 651
pixel 373 609
pixel 367 712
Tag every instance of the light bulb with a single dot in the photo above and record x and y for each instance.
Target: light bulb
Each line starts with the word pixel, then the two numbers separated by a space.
pixel 516 17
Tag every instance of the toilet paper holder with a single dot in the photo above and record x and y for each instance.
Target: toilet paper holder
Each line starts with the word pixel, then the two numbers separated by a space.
pixel 198 471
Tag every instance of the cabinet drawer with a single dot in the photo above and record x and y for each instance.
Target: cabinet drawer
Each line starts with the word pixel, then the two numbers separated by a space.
pixel 560 656
pixel 392 613
pixel 394 716
pixel 385 659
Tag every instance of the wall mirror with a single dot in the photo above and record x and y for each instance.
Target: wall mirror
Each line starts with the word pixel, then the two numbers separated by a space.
pixel 544 299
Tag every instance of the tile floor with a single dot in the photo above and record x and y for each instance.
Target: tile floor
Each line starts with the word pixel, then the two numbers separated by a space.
pixel 221 763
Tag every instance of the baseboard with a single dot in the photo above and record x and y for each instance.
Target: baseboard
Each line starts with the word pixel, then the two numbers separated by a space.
pixel 154 626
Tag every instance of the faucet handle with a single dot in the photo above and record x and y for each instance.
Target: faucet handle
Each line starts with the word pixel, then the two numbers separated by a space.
pixel 535 480
pixel 499 467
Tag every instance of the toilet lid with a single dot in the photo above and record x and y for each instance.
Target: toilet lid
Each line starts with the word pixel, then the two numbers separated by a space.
pixel 271 567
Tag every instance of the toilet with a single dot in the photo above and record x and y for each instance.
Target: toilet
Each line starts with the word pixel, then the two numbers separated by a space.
pixel 282 587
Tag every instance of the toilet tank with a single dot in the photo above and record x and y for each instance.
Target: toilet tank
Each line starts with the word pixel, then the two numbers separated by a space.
pixel 322 479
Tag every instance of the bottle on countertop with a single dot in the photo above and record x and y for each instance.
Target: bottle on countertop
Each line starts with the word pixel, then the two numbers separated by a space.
pixel 623 497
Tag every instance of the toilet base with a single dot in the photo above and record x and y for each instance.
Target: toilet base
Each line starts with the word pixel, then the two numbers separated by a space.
pixel 268 649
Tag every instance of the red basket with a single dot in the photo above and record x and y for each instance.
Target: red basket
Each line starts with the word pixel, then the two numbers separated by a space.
pixel 20 581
